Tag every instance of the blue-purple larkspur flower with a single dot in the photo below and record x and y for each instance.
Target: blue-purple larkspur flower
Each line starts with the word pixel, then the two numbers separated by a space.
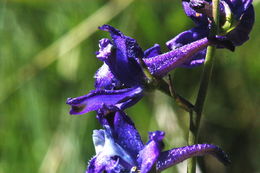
pixel 121 77
pixel 120 80
pixel 236 20
pixel 119 148
pixel 124 54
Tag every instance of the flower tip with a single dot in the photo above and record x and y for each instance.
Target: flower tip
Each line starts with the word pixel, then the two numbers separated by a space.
pixel 77 110
pixel 69 100
pixel 227 162
pixel 106 27
pixel 157 135
pixel 111 29
pixel 104 42
pixel 225 159
pixel 220 155
pixel 103 27
pixel 72 101
pixel 197 4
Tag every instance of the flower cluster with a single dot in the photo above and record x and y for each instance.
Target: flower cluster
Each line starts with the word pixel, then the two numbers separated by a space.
pixel 122 79
pixel 119 147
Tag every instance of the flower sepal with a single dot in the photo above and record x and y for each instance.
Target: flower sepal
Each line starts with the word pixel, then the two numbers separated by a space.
pixel 229 23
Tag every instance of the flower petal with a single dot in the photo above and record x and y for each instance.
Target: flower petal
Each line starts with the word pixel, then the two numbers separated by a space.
pixel 106 163
pixel 176 155
pixel 98 137
pixel 127 135
pixel 112 148
pixel 123 129
pixel 196 60
pixel 152 51
pixel 105 79
pixel 95 166
pixel 122 62
pixel 96 99
pixel 149 155
pixel 187 37
pixel 105 49
pixel 238 7
pixel 239 35
pixel 198 18
pixel 110 155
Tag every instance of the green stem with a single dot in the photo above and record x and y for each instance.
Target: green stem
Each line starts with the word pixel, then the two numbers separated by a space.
pixel 168 89
pixel 205 79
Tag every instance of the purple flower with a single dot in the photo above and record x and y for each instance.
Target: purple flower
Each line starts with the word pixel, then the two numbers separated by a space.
pixel 120 81
pixel 122 57
pixel 123 54
pixel 236 20
pixel 119 147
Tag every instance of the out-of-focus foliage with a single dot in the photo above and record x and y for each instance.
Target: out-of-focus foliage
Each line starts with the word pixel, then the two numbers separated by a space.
pixel 38 135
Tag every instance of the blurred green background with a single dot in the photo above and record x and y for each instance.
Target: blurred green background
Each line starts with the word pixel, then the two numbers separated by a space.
pixel 47 54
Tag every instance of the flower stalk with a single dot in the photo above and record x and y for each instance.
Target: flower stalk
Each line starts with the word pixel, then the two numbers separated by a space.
pixel 195 117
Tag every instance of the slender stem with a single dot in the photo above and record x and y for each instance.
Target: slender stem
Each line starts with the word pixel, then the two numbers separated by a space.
pixel 181 101
pixel 205 79
pixel 168 89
